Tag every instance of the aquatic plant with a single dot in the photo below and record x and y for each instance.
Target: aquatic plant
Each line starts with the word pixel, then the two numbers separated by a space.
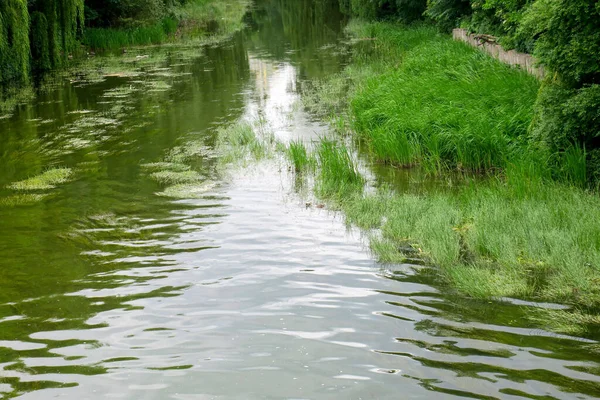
pixel 301 160
pixel 243 140
pixel 22 199
pixel 46 180
pixel 188 191
pixel 338 174
pixel 171 177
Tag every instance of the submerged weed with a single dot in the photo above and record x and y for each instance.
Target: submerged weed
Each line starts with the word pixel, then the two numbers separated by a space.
pixel 174 177
pixel 46 180
pixel 242 140
pixel 188 191
pixel 25 199
pixel 163 166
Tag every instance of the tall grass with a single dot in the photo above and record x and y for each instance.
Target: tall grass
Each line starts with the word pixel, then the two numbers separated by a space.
pixel 445 106
pixel 301 160
pixel 338 174
pixel 114 39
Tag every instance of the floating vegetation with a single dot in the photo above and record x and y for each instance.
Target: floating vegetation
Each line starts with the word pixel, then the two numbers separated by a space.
pixel 158 86
pixel 241 141
pixel 120 92
pixel 190 150
pixel 176 177
pixel 188 191
pixel 92 122
pixel 24 199
pixel 80 112
pixel 164 165
pixel 44 181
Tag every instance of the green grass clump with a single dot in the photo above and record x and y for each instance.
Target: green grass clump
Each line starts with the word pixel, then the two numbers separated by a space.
pixel 491 241
pixel 302 161
pixel 46 180
pixel 242 141
pixel 337 171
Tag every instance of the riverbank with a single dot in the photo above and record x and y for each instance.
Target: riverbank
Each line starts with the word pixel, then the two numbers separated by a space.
pixel 190 26
pixel 193 20
pixel 513 220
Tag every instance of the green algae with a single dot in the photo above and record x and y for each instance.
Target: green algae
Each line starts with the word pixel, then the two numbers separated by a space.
pixel 44 181
pixel 164 165
pixel 23 199
pixel 176 177
pixel 188 191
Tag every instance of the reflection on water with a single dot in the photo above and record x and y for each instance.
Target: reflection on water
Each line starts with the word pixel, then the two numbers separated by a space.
pixel 111 289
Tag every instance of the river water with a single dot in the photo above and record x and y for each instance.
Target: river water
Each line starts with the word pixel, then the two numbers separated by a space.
pixel 114 287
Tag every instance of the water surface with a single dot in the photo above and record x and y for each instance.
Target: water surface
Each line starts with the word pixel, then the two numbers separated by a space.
pixel 114 284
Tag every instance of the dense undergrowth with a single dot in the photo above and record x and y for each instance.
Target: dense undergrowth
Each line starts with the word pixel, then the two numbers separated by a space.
pixel 563 35
pixel 519 222
pixel 194 18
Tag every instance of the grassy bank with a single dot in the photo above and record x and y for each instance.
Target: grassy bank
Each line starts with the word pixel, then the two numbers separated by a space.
pixel 525 229
pixel 195 19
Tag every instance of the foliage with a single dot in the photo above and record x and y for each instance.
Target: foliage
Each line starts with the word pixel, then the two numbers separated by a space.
pixel 405 10
pixel 564 35
pixel 448 13
pixel 114 39
pixel 14 42
pixel 568 38
pixel 502 18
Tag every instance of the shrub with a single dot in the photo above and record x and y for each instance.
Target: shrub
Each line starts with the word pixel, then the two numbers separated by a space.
pixel 567 117
pixel 448 13
pixel 502 18
pixel 568 38
pixel 404 10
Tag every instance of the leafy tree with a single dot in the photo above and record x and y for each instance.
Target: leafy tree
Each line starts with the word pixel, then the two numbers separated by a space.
pixel 448 13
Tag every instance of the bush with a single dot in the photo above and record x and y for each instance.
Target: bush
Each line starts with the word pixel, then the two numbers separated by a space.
pixel 567 117
pixel 502 18
pixel 568 38
pixel 404 10
pixel 448 13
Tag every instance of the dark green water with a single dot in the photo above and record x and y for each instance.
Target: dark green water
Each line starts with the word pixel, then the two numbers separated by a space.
pixel 112 286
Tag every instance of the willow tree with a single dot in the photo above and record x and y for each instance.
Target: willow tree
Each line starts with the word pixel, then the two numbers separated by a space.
pixel 14 41
pixel 55 27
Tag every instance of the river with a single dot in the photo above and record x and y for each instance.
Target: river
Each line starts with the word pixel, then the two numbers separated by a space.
pixel 114 287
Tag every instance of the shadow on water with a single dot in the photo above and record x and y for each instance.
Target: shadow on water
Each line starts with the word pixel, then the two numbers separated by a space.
pixel 113 283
